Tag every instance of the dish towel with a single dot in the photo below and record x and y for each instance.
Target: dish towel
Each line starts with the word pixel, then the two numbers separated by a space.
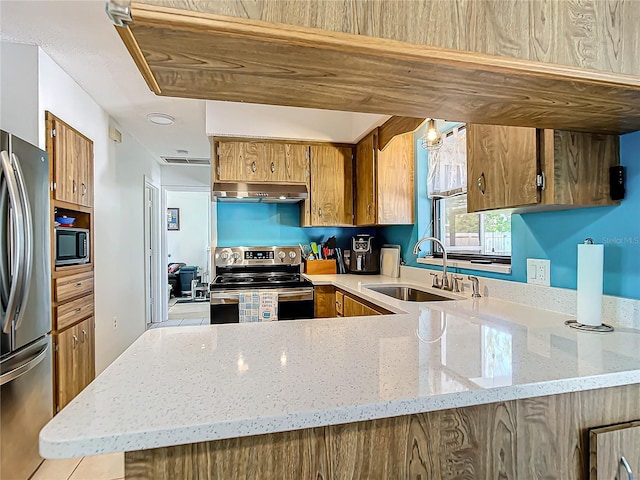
pixel 258 306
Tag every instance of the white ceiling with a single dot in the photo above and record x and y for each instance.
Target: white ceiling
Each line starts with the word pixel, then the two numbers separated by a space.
pixel 80 38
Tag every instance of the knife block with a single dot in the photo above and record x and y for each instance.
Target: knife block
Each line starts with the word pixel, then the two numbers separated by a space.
pixel 320 267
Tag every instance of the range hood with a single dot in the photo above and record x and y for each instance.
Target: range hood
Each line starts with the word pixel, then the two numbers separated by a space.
pixel 260 192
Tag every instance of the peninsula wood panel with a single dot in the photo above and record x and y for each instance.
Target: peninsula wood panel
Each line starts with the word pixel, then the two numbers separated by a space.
pixel 365 186
pixel 607 447
pixel 544 437
pixel 590 33
pixel 354 308
pixel 395 181
pixel 201 56
pixel 331 185
pixel 502 166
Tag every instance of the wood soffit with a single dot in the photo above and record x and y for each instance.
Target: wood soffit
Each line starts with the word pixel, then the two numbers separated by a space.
pixel 198 55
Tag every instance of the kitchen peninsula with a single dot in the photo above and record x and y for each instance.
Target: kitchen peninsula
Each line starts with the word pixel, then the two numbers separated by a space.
pixel 436 389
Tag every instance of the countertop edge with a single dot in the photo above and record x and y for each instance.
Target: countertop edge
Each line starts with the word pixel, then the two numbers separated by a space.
pixel 312 419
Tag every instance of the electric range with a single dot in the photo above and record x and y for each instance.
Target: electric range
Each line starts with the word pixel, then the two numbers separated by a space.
pixel 242 269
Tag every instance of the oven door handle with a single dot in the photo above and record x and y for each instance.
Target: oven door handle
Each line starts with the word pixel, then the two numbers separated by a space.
pixel 289 294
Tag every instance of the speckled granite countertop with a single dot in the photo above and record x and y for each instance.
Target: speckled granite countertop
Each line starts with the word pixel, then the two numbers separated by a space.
pixel 191 384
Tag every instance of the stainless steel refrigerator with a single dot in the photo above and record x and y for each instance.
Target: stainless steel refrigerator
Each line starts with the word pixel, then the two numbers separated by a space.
pixel 26 389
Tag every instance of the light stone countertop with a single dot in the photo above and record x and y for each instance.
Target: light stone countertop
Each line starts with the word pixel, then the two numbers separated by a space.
pixel 191 384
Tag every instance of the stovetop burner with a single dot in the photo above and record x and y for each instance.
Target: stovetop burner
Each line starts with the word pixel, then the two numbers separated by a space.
pixel 233 279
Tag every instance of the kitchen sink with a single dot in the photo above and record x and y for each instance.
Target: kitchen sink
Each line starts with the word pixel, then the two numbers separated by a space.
pixel 408 294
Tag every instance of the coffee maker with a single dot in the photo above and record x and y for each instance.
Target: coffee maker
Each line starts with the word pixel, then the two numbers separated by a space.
pixel 365 257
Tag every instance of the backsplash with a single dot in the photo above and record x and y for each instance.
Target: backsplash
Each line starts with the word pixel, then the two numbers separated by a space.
pixel 260 224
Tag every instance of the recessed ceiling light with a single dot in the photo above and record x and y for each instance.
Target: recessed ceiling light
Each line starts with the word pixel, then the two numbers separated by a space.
pixel 161 119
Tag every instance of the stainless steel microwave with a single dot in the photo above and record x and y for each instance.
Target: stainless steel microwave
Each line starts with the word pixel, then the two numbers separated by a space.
pixel 72 246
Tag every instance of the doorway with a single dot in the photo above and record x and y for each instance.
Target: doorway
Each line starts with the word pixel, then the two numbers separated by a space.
pixel 187 253
pixel 151 248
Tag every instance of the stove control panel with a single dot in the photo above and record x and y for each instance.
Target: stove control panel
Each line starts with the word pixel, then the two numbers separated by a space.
pixel 232 256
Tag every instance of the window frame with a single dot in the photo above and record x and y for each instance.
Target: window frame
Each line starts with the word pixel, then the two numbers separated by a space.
pixel 457 255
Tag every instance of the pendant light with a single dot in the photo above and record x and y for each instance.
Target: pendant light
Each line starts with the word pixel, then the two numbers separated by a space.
pixel 432 138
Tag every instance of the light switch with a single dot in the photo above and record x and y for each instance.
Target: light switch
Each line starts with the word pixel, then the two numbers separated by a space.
pixel 539 271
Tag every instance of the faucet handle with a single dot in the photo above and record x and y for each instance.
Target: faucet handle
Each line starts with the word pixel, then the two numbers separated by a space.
pixel 435 282
pixel 476 286
pixel 456 285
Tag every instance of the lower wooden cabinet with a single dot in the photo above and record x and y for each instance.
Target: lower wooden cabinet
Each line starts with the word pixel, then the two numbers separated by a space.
pixel 74 360
pixel 614 451
pixel 324 301
pixel 355 308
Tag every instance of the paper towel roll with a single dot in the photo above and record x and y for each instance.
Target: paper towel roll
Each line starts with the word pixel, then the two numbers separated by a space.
pixel 590 266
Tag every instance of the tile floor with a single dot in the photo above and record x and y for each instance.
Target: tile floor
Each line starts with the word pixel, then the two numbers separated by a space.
pixel 185 314
pixel 100 467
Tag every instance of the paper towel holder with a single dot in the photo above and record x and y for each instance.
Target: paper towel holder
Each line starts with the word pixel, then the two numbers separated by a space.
pixel 603 327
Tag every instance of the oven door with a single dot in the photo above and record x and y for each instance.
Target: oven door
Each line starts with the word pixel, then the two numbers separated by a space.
pixel 293 304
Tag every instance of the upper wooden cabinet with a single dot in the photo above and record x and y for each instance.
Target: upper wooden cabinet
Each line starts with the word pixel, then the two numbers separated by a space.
pixel 514 167
pixel 72 163
pixel 384 181
pixel 255 161
pixel 331 193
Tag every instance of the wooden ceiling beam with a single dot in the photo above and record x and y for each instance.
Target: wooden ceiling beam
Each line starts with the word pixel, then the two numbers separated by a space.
pixel 197 55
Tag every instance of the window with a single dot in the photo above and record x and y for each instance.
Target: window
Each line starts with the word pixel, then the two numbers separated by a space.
pixel 469 235
pixel 465 235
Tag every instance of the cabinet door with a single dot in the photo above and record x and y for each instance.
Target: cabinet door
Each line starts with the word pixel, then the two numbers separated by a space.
pixel 65 161
pixel 225 161
pixel 395 181
pixel 87 366
pixel 331 185
pixel 274 161
pixel 614 449
pixel 252 164
pixel 84 170
pixel 501 167
pixel 69 378
pixel 353 308
pixel 324 302
pixel 297 163
pixel 365 191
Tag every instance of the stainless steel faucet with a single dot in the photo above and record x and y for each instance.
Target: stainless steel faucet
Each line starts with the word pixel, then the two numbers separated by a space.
pixel 446 283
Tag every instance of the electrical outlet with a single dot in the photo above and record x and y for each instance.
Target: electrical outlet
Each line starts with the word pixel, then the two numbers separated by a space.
pixel 539 271
pixel 115 321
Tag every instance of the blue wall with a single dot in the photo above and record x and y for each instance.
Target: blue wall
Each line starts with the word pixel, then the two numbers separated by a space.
pixel 555 235
pixel 263 224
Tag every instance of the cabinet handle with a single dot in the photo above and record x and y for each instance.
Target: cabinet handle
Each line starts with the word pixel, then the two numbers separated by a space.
pixel 79 284
pixel 78 310
pixel 254 167
pixel 481 184
pixel 84 189
pixel 319 212
pixel 369 209
pixel 74 186
pixel 627 467
pixel 273 167
pixel 75 341
pixel 84 335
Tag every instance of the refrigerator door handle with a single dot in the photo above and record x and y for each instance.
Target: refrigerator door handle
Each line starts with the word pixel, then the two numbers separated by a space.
pixel 17 262
pixel 27 233
pixel 25 367
pixel 5 259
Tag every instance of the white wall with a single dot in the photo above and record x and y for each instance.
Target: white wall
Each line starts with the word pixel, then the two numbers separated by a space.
pixel 186 176
pixel 19 90
pixel 268 121
pixel 118 239
pixel 190 243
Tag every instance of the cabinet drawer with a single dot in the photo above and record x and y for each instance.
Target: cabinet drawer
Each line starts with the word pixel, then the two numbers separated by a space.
pixel 71 312
pixel 73 286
